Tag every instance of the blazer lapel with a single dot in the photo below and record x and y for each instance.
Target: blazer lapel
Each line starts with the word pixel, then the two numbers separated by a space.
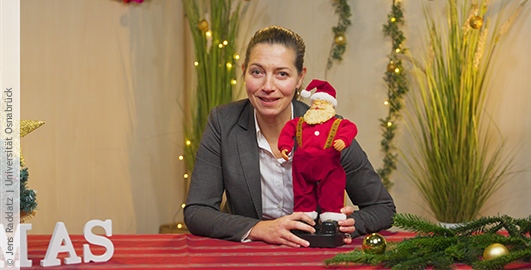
pixel 249 158
pixel 299 108
pixel 248 151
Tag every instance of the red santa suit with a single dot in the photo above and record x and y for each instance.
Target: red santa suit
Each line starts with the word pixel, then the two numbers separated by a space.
pixel 318 176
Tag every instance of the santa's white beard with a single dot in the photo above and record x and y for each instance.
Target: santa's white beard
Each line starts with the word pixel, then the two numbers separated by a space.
pixel 313 116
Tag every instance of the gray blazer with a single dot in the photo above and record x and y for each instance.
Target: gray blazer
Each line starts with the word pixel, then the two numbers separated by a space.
pixel 227 160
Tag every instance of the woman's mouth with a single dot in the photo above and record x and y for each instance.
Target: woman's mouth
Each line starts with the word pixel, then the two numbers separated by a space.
pixel 266 99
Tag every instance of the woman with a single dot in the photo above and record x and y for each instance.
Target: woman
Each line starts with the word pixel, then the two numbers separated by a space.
pixel 238 155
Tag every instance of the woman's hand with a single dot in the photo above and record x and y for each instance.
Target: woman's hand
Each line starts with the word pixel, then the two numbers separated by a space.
pixel 278 231
pixel 347 225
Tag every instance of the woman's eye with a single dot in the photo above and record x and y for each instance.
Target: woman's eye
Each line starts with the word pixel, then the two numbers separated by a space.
pixel 283 74
pixel 256 72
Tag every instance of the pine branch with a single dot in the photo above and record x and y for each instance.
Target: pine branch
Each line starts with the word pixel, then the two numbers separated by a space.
pixel 419 225
pixel 441 248
pixel 356 256
pixel 502 261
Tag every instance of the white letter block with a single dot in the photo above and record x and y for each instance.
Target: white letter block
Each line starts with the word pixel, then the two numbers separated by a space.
pixel 60 235
pixel 24 262
pixel 20 242
pixel 98 240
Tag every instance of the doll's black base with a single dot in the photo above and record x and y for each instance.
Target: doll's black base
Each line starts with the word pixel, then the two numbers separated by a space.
pixel 323 240
pixel 327 235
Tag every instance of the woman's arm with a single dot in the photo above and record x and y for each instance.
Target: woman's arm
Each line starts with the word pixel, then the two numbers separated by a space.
pixel 202 213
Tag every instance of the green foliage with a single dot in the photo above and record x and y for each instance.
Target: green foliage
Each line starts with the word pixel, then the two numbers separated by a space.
pixel 337 50
pixel 216 63
pixel 28 199
pixel 441 248
pixel 454 163
pixel 397 85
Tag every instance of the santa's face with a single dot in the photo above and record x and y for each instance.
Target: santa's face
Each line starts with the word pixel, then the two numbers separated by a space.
pixel 320 105
pixel 271 80
pixel 320 112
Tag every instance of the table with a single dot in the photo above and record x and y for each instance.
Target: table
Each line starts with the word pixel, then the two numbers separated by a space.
pixel 185 251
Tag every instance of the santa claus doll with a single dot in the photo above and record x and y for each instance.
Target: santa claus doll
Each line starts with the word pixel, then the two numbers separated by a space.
pixel 318 177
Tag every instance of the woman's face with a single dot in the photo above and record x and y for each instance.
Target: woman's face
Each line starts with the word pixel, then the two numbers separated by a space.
pixel 271 80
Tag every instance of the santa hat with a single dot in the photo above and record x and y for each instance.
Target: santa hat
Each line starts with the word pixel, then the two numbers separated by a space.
pixel 324 92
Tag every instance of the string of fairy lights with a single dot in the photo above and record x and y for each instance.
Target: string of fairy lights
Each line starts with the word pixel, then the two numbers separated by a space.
pixel 185 176
pixel 397 87
pixel 204 27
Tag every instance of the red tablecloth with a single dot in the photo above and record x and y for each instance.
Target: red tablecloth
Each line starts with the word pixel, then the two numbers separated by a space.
pixel 184 251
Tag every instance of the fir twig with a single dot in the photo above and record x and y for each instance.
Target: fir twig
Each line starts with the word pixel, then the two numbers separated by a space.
pixel 337 49
pixel 419 225
pixel 441 248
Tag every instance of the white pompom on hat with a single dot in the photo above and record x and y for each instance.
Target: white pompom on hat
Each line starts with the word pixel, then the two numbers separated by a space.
pixel 324 91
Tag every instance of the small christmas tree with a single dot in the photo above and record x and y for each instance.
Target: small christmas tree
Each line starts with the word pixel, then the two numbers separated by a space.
pixel 28 199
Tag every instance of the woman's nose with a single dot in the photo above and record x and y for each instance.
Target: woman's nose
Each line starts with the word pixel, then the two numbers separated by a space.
pixel 269 85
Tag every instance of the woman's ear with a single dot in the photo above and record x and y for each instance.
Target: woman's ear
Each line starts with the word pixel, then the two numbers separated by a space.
pixel 301 77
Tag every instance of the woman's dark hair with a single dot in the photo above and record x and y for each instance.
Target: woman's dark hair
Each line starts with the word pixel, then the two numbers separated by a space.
pixel 278 35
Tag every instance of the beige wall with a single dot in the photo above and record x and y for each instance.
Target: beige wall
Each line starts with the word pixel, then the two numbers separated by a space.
pixel 108 78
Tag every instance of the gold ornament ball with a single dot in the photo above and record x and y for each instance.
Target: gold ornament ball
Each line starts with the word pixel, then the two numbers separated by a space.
pixel 391 67
pixel 476 22
pixel 340 39
pixel 202 25
pixel 374 244
pixel 494 251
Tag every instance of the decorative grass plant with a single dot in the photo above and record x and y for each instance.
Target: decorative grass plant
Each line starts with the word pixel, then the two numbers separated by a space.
pixel 455 162
pixel 214 27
